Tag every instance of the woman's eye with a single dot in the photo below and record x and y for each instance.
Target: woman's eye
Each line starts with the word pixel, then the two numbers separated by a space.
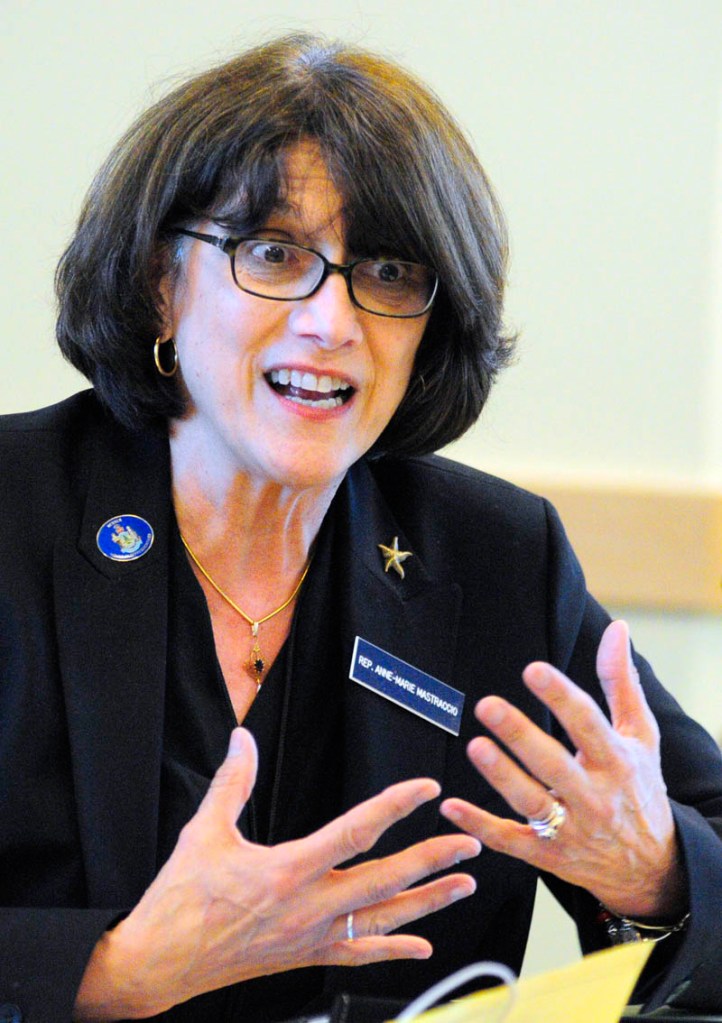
pixel 271 253
pixel 386 273
pixel 389 273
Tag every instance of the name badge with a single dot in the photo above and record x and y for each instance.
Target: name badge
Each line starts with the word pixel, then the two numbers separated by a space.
pixel 407 686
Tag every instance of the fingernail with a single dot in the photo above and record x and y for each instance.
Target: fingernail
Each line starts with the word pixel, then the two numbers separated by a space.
pixel 495 715
pixel 462 893
pixel 452 814
pixel 469 853
pixel 235 746
pixel 485 753
pixel 539 678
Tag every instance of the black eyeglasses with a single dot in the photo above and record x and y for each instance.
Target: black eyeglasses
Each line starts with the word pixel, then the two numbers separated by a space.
pixel 274 269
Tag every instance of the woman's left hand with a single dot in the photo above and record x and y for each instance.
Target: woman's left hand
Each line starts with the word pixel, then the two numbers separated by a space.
pixel 618 840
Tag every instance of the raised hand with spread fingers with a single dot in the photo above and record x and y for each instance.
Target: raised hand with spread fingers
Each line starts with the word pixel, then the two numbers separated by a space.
pixel 598 817
pixel 223 910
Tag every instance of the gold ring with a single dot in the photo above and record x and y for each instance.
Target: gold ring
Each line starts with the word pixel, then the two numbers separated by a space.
pixel 548 827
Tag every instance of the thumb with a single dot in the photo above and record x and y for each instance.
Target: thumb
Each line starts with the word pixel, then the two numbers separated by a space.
pixel 233 782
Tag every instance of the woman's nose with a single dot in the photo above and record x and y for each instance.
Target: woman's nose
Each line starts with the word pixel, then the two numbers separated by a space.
pixel 329 315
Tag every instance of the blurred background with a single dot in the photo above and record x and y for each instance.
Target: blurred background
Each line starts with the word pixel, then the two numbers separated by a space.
pixel 600 124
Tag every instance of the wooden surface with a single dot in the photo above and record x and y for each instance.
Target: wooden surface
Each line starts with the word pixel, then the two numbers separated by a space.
pixel 644 547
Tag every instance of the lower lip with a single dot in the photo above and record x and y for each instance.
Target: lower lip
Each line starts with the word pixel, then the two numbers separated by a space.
pixel 313 412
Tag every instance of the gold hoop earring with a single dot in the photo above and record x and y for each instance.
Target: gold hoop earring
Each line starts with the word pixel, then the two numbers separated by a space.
pixel 156 357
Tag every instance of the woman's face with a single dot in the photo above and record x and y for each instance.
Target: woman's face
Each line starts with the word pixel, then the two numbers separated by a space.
pixel 240 355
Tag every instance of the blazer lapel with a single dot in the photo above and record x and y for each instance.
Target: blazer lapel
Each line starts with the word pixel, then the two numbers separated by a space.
pixel 414 618
pixel 112 634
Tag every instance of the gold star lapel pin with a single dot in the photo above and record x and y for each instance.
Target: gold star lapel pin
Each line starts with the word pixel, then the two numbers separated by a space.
pixel 393 556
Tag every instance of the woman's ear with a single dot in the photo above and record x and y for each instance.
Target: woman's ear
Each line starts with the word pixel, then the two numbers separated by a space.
pixel 167 269
pixel 164 305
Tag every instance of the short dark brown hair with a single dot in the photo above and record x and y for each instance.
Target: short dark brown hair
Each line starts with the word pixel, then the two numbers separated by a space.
pixel 214 148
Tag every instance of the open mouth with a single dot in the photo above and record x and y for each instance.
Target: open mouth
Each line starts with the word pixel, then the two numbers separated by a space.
pixel 309 389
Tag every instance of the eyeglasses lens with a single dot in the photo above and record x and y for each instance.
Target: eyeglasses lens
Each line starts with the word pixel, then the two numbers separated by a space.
pixel 273 269
pixel 392 287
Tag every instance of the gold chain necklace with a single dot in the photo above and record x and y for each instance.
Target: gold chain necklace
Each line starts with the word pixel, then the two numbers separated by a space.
pixel 256 665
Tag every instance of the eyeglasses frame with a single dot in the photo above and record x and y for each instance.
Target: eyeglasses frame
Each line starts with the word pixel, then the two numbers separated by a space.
pixel 229 245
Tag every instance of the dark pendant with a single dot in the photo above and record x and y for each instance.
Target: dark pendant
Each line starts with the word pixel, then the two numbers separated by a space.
pixel 258 666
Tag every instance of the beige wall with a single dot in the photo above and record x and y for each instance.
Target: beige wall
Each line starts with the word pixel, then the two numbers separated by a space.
pixel 600 123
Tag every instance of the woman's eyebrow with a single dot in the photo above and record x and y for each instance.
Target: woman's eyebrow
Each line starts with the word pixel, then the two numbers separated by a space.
pixel 284 207
pixel 269 227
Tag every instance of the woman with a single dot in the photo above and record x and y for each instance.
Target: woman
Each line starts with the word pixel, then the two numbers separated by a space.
pixel 286 287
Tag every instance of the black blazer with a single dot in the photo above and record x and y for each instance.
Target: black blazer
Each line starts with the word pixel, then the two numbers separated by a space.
pixel 492 585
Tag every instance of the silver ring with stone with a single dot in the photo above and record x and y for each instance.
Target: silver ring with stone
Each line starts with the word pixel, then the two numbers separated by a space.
pixel 548 827
pixel 350 934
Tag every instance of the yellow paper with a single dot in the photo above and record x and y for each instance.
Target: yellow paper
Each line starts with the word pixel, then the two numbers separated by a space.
pixel 595 989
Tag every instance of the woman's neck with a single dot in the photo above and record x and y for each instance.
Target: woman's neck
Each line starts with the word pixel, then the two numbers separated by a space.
pixel 253 536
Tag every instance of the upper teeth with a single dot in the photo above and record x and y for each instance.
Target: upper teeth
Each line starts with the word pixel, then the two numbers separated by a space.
pixel 308 381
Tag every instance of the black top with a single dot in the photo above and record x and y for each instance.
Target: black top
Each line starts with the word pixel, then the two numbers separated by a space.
pixel 198 720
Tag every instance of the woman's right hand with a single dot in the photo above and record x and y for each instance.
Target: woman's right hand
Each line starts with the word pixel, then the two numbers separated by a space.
pixel 223 910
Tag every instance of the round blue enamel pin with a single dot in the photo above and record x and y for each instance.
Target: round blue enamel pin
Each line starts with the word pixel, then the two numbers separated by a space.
pixel 125 538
